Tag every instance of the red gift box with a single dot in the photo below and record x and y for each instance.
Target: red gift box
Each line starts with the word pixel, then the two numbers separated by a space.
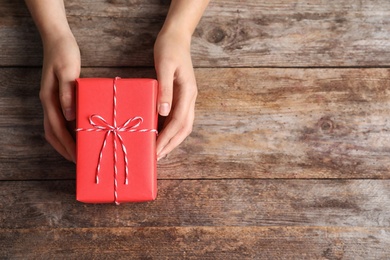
pixel 116 140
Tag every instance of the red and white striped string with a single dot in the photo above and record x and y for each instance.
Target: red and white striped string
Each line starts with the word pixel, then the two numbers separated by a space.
pixel 101 125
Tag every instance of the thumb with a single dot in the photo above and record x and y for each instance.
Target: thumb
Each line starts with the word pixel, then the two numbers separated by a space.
pixel 165 93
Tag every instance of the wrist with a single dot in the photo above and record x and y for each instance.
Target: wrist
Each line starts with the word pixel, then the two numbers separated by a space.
pixel 55 32
pixel 176 35
pixel 50 18
pixel 177 30
pixel 53 38
pixel 183 17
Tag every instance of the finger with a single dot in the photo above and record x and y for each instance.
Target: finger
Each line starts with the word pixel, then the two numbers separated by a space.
pixel 165 77
pixel 67 93
pixel 180 121
pixel 177 128
pixel 53 141
pixel 174 135
pixel 54 121
pixel 60 137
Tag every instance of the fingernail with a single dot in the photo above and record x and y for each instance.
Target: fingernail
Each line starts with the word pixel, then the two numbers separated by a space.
pixel 163 109
pixel 69 114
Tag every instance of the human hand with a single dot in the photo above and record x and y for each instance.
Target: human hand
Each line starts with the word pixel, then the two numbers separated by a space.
pixel 177 89
pixel 61 66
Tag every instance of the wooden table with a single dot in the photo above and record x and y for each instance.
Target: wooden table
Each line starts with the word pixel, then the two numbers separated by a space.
pixel 289 155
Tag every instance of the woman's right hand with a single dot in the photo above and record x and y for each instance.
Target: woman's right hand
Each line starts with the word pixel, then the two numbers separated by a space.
pixel 61 66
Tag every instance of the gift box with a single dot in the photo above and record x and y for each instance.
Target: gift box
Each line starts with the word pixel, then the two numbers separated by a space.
pixel 116 123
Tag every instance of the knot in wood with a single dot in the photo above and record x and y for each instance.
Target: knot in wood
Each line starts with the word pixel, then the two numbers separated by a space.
pixel 326 124
pixel 216 35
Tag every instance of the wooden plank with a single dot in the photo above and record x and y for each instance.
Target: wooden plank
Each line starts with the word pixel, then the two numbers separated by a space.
pixel 231 34
pixel 24 151
pixel 241 202
pixel 250 123
pixel 197 243
pixel 289 123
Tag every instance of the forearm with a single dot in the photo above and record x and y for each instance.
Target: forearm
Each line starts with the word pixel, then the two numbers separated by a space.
pixel 184 16
pixel 49 17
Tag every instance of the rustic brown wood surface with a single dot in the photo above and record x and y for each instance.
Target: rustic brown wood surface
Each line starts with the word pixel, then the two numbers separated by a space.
pixel 288 158
pixel 232 33
pixel 240 202
pixel 199 243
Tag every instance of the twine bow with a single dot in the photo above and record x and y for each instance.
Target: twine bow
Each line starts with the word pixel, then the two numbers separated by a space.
pixel 99 124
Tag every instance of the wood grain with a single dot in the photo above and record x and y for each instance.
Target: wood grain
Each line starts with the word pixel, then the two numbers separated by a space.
pixel 289 123
pixel 246 33
pixel 250 123
pixel 353 203
pixel 197 243
pixel 288 158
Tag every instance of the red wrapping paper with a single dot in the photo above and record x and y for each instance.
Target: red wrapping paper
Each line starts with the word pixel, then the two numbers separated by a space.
pixel 134 98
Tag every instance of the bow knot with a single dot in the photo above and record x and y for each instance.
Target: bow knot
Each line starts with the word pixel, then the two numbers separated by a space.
pixel 100 123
